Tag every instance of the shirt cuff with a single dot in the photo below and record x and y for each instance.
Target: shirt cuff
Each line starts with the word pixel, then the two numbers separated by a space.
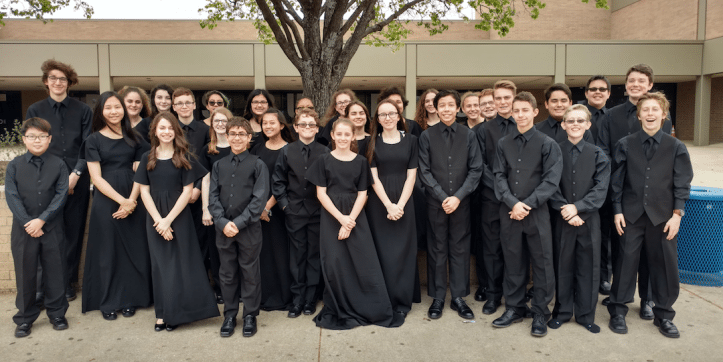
pixel 617 208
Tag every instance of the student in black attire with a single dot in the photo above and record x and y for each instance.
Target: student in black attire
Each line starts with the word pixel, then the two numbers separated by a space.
pixel 488 135
pixel 396 95
pixel 71 120
pixel 37 229
pixel 450 170
pixel 340 99
pixel 583 189
pixel 527 172
pixel 558 98
pixel 297 198
pixel 236 206
pixel 650 186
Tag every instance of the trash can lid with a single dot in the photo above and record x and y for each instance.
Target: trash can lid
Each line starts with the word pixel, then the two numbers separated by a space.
pixel 706 193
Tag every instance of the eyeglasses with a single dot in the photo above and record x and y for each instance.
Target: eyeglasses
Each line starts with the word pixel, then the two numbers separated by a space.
pixel 311 108
pixel 220 121
pixel 259 103
pixel 342 103
pixel 573 121
pixel 215 104
pixel 233 135
pixel 306 125
pixel 597 89
pixel 186 104
pixel 54 79
pixel 388 115
pixel 42 137
pixel 486 104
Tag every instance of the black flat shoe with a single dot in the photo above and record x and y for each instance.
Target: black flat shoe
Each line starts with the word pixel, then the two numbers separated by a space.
pixel 491 306
pixel 530 294
pixel 228 326
pixel 219 299
pixel 480 295
pixel 646 310
pixel 606 301
pixel 667 328
pixel 508 317
pixel 460 306
pixel 170 328
pixel 59 323
pixel 539 326
pixel 160 327
pixel 110 316
pixel 605 288
pixel 435 310
pixel 617 324
pixel 309 308
pixel 23 330
pixel 128 312
pixel 295 311
pixel 249 326
pixel 70 294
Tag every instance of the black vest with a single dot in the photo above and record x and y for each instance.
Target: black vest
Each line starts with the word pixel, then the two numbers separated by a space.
pixel 621 127
pixel 448 166
pixel 493 133
pixel 649 184
pixel 36 192
pixel 243 178
pixel 524 169
pixel 300 192
pixel 577 180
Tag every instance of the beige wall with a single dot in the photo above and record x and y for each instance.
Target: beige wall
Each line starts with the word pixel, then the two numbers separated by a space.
pixel 656 20
pixel 7 268
pixel 713 23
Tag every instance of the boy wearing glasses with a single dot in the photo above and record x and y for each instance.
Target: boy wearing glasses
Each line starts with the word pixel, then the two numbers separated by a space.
pixel 37 230
pixel 297 197
pixel 583 189
pixel 71 120
pixel 238 193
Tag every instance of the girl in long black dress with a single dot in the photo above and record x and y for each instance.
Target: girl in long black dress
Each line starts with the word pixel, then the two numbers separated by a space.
pixel 393 158
pixel 166 175
pixel 117 269
pixel 355 293
pixel 339 101
pixel 257 103
pixel 358 114
pixel 160 101
pixel 274 258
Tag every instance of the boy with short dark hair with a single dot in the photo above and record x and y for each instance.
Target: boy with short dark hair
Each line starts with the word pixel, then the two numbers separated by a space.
pixel 527 172
pixel 558 98
pixel 37 229
pixel 238 193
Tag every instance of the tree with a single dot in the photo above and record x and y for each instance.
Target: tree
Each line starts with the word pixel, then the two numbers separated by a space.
pixel 38 9
pixel 320 37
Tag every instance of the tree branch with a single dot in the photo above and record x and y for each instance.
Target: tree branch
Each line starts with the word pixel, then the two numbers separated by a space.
pixel 291 11
pixel 355 15
pixel 380 25
pixel 286 44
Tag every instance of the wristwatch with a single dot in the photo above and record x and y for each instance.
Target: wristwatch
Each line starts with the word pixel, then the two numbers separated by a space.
pixel 679 212
pixel 77 172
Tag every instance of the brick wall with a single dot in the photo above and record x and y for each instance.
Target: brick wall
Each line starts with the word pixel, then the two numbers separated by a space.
pixel 656 20
pixel 713 23
pixel 685 108
pixel 716 110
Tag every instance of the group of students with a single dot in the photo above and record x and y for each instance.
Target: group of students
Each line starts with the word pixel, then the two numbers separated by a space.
pixel 282 215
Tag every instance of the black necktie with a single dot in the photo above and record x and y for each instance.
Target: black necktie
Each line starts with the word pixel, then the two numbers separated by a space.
pixel 305 153
pixel 58 115
pixel 574 153
pixel 446 134
pixel 234 161
pixel 503 127
pixel 649 151
pixel 37 161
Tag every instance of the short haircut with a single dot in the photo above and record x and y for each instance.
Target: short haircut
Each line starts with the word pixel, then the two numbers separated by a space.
pixel 597 77
pixel 392 90
pixel 447 92
pixel 181 91
pixel 557 87
pixel 487 92
pixel 207 95
pixel 577 107
pixel 236 122
pixel 641 68
pixel 37 123
pixel 307 113
pixel 52 64
pixel 526 97
pixel 506 84
pixel 656 96
pixel 467 95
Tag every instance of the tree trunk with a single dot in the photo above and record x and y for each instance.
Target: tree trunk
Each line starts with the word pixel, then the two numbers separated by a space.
pixel 320 81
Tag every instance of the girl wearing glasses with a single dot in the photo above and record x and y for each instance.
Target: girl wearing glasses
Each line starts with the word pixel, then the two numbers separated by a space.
pixel 257 103
pixel 211 100
pixel 340 100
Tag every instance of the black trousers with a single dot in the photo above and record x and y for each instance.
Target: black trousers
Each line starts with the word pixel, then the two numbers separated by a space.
pixel 643 272
pixel 75 213
pixel 527 241
pixel 607 232
pixel 492 248
pixel 28 252
pixel 477 237
pixel 644 241
pixel 305 265
pixel 239 257
pixel 448 240
pixel 577 271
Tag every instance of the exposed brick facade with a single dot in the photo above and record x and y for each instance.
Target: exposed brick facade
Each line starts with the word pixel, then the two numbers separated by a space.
pixel 656 20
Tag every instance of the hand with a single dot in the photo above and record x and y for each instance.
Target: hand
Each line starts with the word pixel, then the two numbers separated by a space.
pixel 129 205
pixel 163 227
pixel 620 223
pixel 230 230
pixel 168 234
pixel 34 227
pixel 347 222
pixel 672 226
pixel 576 221
pixel 450 204
pixel 265 216
pixel 568 211
pixel 207 219
pixel 72 181
pixel 520 211
pixel 121 213
pixel 194 195
pixel 344 233
pixel 394 212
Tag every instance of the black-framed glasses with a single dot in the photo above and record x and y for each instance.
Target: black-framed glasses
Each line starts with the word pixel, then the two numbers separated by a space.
pixel 342 103
pixel 388 115
pixel 186 104
pixel 234 135
pixel 54 79
pixel 41 137
pixel 598 89
pixel 306 125
pixel 311 108
pixel 258 103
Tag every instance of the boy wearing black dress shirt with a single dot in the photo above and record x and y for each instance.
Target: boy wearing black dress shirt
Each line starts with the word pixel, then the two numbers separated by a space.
pixel 558 98
pixel 488 135
pixel 450 170
pixel 37 230
pixel 527 172
pixel 650 185
pixel 583 189
pixel 237 196
pixel 297 197
pixel 71 121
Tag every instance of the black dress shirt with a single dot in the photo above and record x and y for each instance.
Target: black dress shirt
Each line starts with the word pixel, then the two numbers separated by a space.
pixel 197 136
pixel 585 177
pixel 68 131
pixel 553 129
pixel 239 190
pixel 596 117
pixel 621 121
pixel 36 187
pixel 488 135
pixel 290 187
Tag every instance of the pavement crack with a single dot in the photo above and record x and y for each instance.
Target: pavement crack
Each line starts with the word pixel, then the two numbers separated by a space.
pixel 691 292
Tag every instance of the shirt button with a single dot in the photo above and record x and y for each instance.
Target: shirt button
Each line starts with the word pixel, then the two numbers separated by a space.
pixel 516 182
pixel 450 157
pixel 39 193
pixel 518 171
pixel 231 185
pixel 573 182
pixel 304 167
pixel 573 171
pixel 646 186
pixel 233 175
pixel 574 194
pixel 648 168
pixel 514 194
pixel 519 160
pixel 230 195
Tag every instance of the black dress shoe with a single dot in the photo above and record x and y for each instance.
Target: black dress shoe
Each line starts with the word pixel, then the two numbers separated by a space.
pixel 170 328
pixel 23 330
pixel 605 288
pixel 309 308
pixel 665 326
pixel 539 326
pixel 480 295
pixel 491 306
pixel 219 299
pixel 530 294
pixel 128 312
pixel 110 316
pixel 59 323
pixel 617 324
pixel 249 326
pixel 606 301
pixel 160 326
pixel 228 326
pixel 435 310
pixel 460 306
pixel 40 300
pixel 295 311
pixel 70 293
pixel 646 310
pixel 508 317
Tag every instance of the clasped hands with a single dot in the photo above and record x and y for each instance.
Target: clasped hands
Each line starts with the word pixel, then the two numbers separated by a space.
pixel 126 208
pixel 394 211
pixel 347 224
